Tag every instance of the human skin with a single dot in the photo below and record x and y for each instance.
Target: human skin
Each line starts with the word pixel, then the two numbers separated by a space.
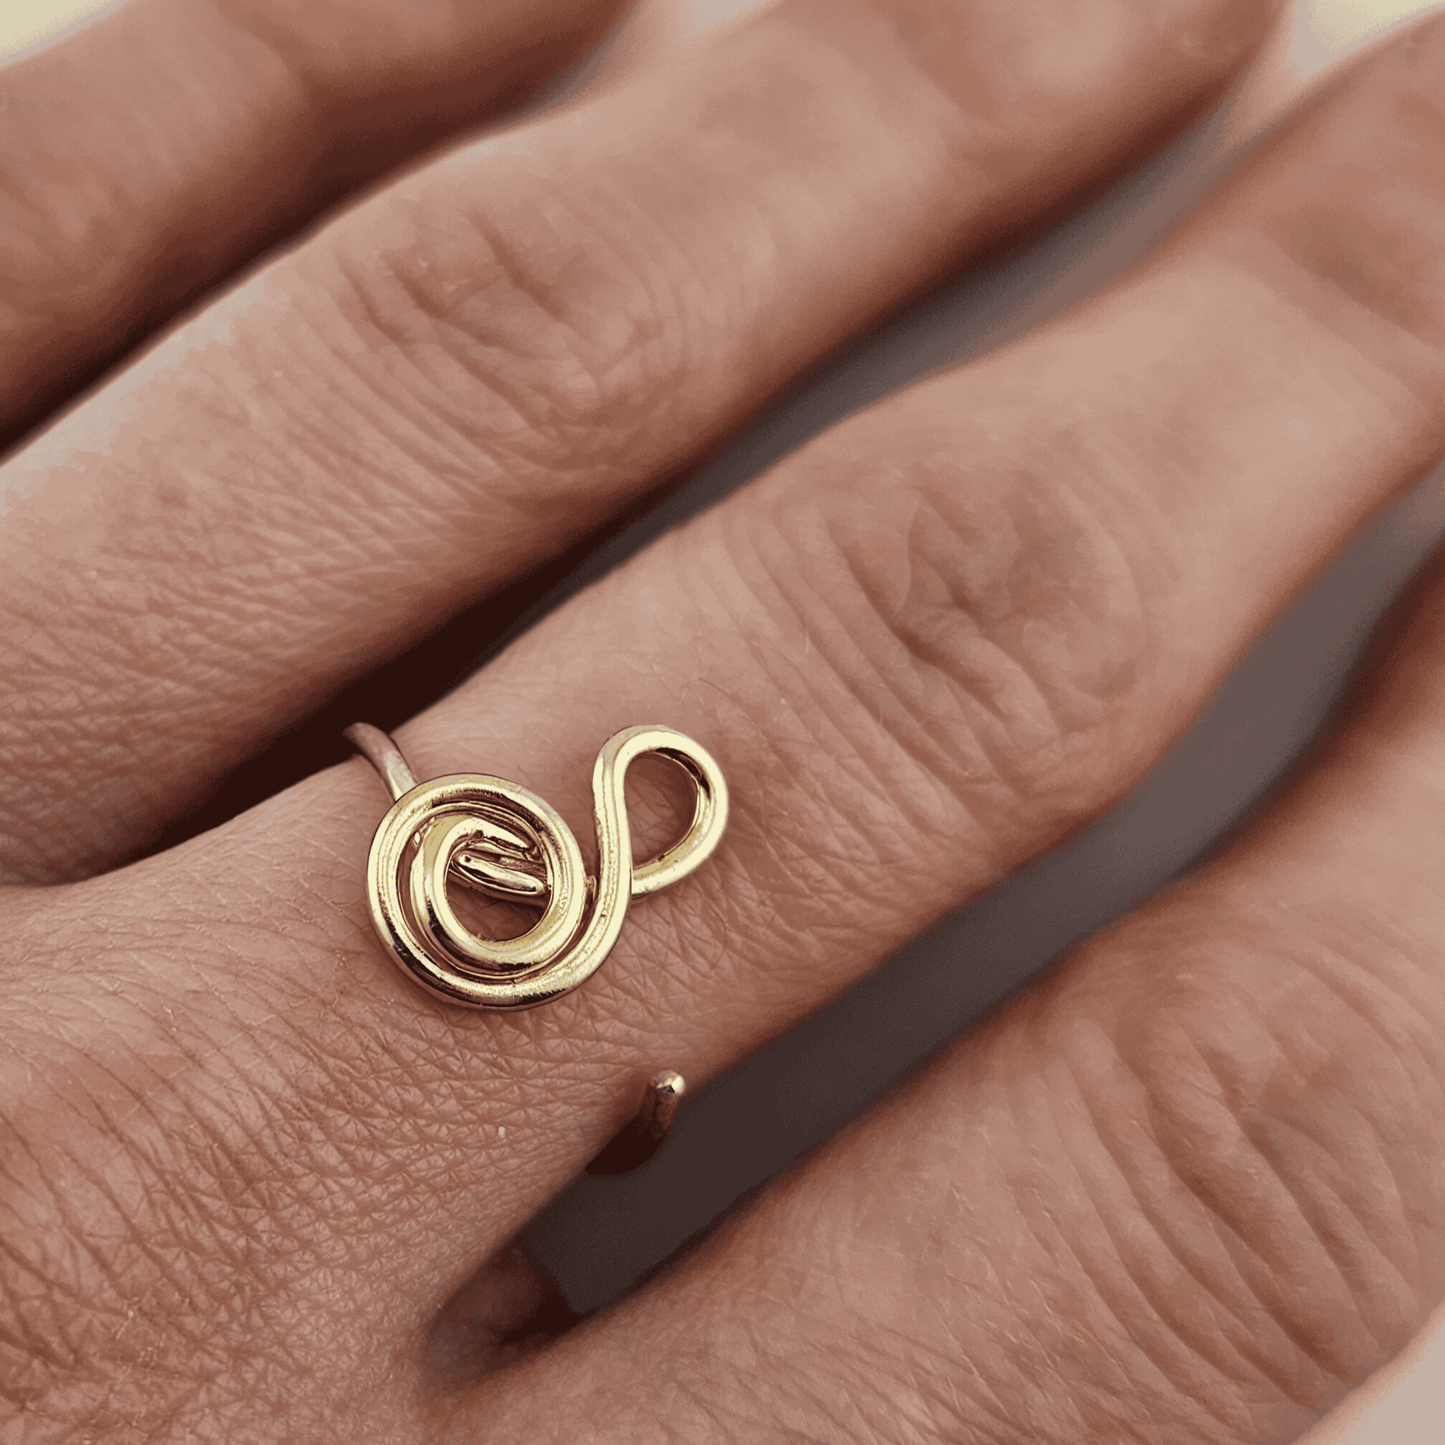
pixel 1187 1188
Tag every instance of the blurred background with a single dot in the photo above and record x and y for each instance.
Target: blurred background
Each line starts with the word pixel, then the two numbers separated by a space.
pixel 602 1234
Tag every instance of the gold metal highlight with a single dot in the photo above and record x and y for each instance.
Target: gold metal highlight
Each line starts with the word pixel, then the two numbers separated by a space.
pixel 642 1136
pixel 500 839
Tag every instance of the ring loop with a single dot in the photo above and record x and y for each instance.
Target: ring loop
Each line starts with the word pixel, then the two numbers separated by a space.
pixel 497 837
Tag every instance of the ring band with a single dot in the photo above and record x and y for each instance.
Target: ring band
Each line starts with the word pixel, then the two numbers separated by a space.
pixel 499 839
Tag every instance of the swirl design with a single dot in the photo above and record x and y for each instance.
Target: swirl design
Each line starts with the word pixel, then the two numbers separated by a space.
pixel 499 838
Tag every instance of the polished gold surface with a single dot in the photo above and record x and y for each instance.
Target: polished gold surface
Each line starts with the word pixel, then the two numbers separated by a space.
pixel 500 839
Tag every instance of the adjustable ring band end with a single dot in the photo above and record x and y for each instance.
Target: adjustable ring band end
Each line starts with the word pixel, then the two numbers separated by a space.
pixel 643 1135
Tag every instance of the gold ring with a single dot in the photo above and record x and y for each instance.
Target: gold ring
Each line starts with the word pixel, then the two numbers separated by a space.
pixel 499 839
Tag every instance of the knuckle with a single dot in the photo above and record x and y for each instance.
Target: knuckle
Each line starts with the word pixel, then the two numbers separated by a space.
pixel 986 630
pixel 1360 225
pixel 517 335
pixel 1287 1217
pixel 1072 65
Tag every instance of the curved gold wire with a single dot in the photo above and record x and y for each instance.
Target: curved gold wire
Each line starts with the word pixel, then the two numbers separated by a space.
pixel 497 837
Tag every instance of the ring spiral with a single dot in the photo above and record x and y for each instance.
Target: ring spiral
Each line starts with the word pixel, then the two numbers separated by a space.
pixel 506 841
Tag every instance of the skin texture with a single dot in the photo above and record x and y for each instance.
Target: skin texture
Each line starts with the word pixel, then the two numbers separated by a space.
pixel 209 130
pixel 1183 1190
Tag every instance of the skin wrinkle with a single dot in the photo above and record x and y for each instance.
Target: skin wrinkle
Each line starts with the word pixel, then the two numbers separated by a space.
pixel 657 290
pixel 822 1400
pixel 1301 1202
pixel 519 279
pixel 819 847
pixel 265 1214
pixel 1324 958
pixel 951 665
pixel 361 542
pixel 968 609
pixel 1237 1346
pixel 929 764
pixel 335 456
pixel 219 1158
pixel 711 1406
pixel 359 539
pixel 1398 1204
pixel 1213 1361
pixel 1321 952
pixel 826 1329
pixel 1116 584
pixel 822 707
pixel 1332 1232
pixel 1372 1126
pixel 349 553
pixel 531 283
pixel 1255 1263
pixel 1276 1372
pixel 1054 1366
pixel 67 645
pixel 765 659
pixel 910 633
pixel 921 1370
pixel 1124 1174
pixel 830 649
pixel 899 630
pixel 100 1265
pixel 499 454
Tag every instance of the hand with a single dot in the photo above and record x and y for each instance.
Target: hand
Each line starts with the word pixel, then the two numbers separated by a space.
pixel 257 1186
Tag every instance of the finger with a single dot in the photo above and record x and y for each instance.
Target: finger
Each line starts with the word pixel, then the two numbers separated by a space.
pixel 478 367
pixel 148 155
pixel 1190 1187
pixel 1127 515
